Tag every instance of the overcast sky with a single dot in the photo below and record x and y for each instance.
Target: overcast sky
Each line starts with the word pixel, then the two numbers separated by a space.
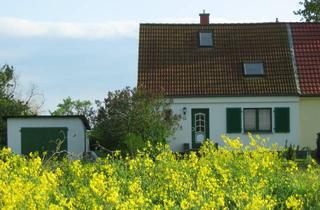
pixel 85 48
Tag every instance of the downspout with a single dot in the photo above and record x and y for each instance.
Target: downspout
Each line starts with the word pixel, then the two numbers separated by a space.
pixel 293 58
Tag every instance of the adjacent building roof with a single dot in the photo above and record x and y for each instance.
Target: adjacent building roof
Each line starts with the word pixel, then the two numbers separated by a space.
pixel 306 42
pixel 170 60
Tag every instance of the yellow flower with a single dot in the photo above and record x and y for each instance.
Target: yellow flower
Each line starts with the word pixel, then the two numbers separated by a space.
pixel 253 142
pixel 233 143
pixel 293 202
pixel 185 204
pixel 220 201
pixel 168 203
pixel 98 183
pixel 135 186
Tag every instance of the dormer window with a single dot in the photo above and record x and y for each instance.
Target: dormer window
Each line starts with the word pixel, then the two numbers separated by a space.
pixel 253 68
pixel 205 39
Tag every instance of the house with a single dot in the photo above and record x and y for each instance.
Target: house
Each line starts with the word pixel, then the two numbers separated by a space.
pixel 231 79
pixel 27 134
pixel 306 48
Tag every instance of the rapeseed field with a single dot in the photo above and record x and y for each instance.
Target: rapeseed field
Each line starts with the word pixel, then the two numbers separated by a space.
pixel 235 176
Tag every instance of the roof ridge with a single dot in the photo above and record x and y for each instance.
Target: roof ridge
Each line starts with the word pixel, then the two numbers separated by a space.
pixel 243 23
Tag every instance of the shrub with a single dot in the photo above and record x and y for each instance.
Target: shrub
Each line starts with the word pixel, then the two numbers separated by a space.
pixel 133 113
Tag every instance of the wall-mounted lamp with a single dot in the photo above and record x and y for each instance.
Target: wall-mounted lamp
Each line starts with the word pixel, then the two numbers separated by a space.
pixel 184 113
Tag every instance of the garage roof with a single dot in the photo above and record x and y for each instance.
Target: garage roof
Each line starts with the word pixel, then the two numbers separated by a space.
pixel 81 117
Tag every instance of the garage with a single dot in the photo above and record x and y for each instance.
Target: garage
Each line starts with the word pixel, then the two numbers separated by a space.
pixel 27 134
pixel 43 139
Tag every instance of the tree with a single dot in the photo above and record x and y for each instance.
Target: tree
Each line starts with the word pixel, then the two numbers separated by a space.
pixel 130 117
pixel 9 105
pixel 7 83
pixel 8 91
pixel 310 12
pixel 76 107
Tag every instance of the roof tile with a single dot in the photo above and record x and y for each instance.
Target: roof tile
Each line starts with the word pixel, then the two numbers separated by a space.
pixel 306 42
pixel 170 60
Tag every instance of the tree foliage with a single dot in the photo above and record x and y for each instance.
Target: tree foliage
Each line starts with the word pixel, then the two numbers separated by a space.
pixel 7 83
pixel 9 105
pixel 76 107
pixel 310 12
pixel 130 117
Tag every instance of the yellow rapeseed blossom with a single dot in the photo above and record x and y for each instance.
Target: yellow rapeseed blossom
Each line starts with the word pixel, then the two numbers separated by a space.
pixel 293 202
pixel 185 204
pixel 235 176
pixel 233 143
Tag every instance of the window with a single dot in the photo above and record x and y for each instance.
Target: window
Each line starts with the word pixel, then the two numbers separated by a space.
pixel 200 123
pixel 257 119
pixel 205 39
pixel 253 68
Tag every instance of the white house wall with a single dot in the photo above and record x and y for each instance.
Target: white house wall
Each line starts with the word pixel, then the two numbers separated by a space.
pixel 217 118
pixel 76 132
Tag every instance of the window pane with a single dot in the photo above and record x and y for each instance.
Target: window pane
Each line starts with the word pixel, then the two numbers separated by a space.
pixel 205 39
pixel 249 119
pixel 200 137
pixel 200 122
pixel 253 68
pixel 264 119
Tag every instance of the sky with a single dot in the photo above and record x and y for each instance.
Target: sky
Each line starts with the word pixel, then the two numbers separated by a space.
pixel 85 48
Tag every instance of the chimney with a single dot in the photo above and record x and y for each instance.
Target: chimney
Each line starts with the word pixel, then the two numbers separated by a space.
pixel 204 18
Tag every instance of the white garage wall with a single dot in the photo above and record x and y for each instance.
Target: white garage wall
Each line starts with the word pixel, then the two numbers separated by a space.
pixel 217 111
pixel 76 132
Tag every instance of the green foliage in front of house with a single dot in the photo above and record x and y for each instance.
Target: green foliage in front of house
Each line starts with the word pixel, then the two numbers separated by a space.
pixel 130 116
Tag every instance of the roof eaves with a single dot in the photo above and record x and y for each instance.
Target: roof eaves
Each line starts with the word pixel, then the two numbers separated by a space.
pixel 81 117
pixel 233 95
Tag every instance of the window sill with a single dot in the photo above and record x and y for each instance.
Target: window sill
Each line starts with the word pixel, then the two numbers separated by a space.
pixel 258 132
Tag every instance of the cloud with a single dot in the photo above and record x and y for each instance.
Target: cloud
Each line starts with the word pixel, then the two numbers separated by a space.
pixel 17 27
pixel 103 30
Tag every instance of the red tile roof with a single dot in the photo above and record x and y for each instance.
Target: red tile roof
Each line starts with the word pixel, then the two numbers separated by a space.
pixel 171 60
pixel 306 42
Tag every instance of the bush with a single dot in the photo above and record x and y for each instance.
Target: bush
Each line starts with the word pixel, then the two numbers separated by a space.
pixel 133 143
pixel 131 115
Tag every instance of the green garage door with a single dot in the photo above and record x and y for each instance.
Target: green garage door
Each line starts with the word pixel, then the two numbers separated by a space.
pixel 43 139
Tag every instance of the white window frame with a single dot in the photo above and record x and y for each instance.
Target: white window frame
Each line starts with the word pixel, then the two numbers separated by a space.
pixel 207 43
pixel 257 120
pixel 248 68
